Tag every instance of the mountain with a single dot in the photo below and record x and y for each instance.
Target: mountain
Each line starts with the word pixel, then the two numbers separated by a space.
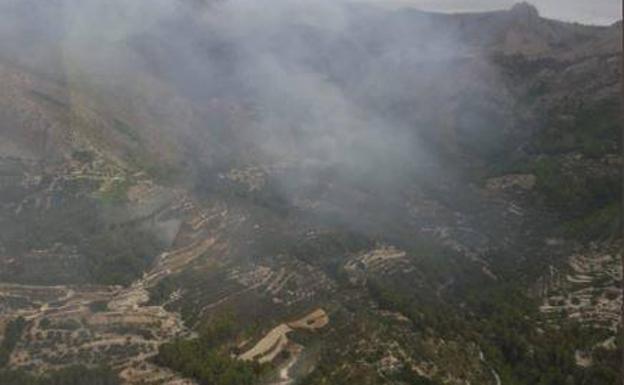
pixel 332 193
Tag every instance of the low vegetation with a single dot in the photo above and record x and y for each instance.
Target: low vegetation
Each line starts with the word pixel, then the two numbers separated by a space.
pixel 588 203
pixel 527 355
pixel 592 131
pixel 207 358
pixel 502 320
pixel 119 256
pixel 74 375
pixel 577 194
pixel 12 334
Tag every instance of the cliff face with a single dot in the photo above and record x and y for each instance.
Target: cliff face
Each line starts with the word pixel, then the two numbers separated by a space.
pixel 443 187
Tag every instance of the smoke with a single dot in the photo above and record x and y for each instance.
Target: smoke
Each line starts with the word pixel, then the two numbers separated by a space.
pixel 306 89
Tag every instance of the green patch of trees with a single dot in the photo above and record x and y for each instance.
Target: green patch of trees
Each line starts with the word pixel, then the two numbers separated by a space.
pixel 12 334
pixel 74 375
pixel 119 256
pixel 207 358
pixel 423 312
pixel 592 131
pixel 505 320
pixel 599 224
pixel 515 338
pixel 587 202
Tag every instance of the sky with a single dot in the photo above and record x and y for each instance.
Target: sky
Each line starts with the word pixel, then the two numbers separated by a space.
pixel 601 12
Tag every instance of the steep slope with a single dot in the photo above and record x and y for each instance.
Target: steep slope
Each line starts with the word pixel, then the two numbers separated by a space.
pixel 390 197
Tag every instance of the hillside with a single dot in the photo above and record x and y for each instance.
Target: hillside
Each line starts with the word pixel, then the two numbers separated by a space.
pixel 329 194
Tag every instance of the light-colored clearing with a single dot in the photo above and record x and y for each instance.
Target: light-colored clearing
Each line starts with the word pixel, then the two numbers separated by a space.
pixel 275 341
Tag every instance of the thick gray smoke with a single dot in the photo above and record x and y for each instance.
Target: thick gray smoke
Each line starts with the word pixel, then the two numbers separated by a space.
pixel 305 88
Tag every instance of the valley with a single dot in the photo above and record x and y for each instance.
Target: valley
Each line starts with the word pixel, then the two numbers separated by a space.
pixel 361 196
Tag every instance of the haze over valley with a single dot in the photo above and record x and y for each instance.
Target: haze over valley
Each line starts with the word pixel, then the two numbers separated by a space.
pixel 286 192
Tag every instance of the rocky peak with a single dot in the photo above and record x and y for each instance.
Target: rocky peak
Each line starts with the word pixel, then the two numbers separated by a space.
pixel 525 11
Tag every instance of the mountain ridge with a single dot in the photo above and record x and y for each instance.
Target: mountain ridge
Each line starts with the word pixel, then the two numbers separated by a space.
pixel 445 197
